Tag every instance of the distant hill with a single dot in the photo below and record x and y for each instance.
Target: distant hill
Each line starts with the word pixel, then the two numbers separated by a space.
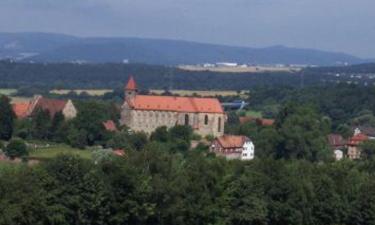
pixel 24 45
pixel 42 47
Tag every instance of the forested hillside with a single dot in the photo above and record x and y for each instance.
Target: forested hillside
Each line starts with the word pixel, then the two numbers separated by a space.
pixel 45 47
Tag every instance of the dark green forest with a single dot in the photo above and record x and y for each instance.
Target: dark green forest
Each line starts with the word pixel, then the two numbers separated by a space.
pixel 156 187
pixel 73 76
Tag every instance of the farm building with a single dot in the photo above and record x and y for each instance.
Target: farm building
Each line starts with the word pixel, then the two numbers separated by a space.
pixel 233 147
pixel 53 106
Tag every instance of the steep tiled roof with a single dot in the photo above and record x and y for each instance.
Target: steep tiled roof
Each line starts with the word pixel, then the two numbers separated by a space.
pixel 52 105
pixel 177 104
pixel 131 85
pixel 336 140
pixel 367 130
pixel 232 141
pixel 110 125
pixel 21 109
pixel 357 139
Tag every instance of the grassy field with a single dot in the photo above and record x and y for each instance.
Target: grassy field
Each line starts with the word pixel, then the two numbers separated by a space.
pixel 51 152
pixel 19 99
pixel 7 91
pixel 201 93
pixel 92 92
pixel 252 113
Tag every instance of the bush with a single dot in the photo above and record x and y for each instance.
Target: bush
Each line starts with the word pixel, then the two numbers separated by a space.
pixel 16 148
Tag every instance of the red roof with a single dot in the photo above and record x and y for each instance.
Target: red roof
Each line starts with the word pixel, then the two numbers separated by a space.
pixel 336 140
pixel 265 122
pixel 177 104
pixel 357 139
pixel 21 109
pixel 131 85
pixel 246 119
pixel 119 152
pixel 110 125
pixel 232 141
pixel 52 105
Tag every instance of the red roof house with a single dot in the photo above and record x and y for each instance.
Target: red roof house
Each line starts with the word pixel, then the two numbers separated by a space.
pixel 233 147
pixel 354 150
pixel 53 106
pixel 336 141
pixel 118 152
pixel 110 126
pixel 21 109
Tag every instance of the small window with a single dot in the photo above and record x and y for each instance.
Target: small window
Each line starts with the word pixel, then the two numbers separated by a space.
pixel 186 119
pixel 219 125
pixel 205 120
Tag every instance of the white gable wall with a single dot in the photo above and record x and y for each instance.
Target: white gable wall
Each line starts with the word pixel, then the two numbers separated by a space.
pixel 248 152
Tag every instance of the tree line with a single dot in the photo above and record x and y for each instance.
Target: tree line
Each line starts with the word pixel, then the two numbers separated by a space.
pixel 154 186
pixel 29 76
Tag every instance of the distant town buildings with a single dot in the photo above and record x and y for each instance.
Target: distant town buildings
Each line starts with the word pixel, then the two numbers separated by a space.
pixel 147 112
pixel 233 147
pixel 53 106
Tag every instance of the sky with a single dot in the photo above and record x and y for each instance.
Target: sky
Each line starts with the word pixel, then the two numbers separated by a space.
pixel 333 25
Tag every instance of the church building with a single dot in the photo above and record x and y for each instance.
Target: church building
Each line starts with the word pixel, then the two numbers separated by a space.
pixel 147 112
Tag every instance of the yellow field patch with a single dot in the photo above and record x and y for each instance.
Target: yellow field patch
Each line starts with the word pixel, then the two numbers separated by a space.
pixel 92 92
pixel 19 99
pixel 6 91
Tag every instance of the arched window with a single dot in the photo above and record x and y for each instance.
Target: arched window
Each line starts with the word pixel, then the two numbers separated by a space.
pixel 205 120
pixel 219 125
pixel 186 119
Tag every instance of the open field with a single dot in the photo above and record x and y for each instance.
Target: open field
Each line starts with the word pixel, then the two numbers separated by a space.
pixel 5 165
pixel 240 69
pixel 255 114
pixel 6 91
pixel 201 93
pixel 19 99
pixel 92 92
pixel 51 152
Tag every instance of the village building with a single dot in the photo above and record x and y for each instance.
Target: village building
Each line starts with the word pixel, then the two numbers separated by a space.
pixel 110 126
pixel 147 112
pixel 259 121
pixel 53 106
pixel 354 150
pixel 233 147
pixel 367 130
pixel 337 144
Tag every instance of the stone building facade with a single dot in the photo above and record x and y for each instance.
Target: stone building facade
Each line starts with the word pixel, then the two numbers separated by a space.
pixel 146 112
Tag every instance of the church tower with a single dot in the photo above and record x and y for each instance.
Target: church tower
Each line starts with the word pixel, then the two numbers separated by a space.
pixel 130 89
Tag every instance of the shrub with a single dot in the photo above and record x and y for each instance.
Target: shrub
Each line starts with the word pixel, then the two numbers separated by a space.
pixel 16 148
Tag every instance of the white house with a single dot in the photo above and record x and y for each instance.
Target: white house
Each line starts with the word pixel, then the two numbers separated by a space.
pixel 233 147
pixel 339 154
